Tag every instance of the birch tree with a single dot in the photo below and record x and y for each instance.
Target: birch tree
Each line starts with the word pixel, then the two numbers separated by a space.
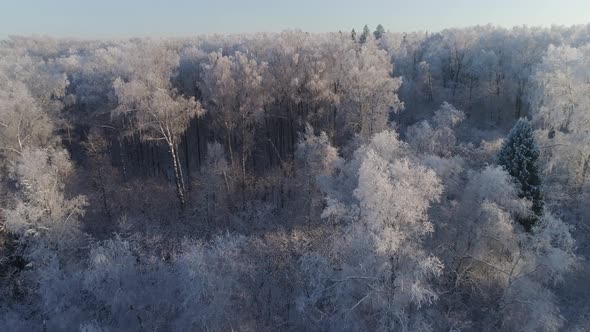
pixel 152 108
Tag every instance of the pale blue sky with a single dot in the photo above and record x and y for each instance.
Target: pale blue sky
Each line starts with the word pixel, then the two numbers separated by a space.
pixel 125 18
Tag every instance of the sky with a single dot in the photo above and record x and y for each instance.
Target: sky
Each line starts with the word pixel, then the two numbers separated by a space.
pixel 140 18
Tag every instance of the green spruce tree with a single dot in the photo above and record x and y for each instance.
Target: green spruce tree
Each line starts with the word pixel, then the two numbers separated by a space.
pixel 365 35
pixel 379 32
pixel 519 157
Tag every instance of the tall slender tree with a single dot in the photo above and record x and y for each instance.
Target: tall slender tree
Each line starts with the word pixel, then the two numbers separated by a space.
pixel 152 108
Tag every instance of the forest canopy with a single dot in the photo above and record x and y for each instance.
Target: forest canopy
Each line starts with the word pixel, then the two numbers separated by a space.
pixel 371 181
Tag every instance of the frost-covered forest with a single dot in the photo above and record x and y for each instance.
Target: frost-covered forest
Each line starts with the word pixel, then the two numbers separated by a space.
pixel 348 181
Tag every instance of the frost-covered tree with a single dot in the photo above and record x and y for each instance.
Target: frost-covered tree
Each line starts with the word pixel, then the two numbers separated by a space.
pixel 215 187
pixel 42 75
pixel 560 100
pixel 234 92
pixel 439 138
pixel 22 123
pixel 385 276
pixel 198 288
pixel 501 265
pixel 560 104
pixel 368 90
pixel 316 159
pixel 43 209
pixel 152 108
pixel 519 157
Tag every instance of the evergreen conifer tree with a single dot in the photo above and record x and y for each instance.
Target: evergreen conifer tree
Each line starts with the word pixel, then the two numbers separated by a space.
pixel 519 157
pixel 366 34
pixel 379 32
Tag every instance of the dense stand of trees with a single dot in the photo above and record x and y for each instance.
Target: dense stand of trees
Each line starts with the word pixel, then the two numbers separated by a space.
pixel 297 181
